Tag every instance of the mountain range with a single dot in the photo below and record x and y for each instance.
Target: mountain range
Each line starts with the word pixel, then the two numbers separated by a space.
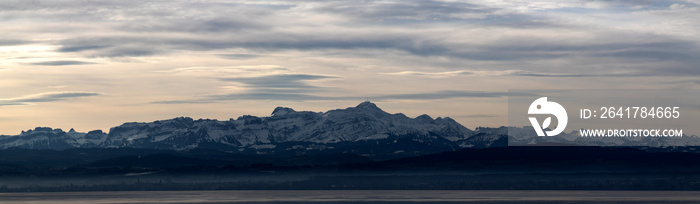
pixel 362 130
pixel 357 148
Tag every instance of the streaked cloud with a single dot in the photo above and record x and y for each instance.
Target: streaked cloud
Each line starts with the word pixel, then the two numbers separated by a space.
pixel 10 42
pixel 220 71
pixel 45 97
pixel 412 10
pixel 532 74
pixel 284 81
pixel 60 63
pixel 239 56
pixel 194 101
pixel 434 74
pixel 273 96
pixel 476 73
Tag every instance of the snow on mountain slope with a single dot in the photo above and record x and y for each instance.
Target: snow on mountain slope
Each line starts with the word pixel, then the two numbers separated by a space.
pixel 365 122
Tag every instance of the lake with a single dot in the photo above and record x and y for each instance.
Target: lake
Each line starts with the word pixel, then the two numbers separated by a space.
pixel 353 196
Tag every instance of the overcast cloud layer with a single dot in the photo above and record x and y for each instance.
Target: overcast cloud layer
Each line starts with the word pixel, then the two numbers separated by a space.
pixel 96 64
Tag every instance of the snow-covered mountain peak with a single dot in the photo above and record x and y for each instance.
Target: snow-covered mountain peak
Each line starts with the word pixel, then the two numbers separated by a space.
pixel 41 130
pixel 424 118
pixel 280 111
pixel 368 106
pixel 445 119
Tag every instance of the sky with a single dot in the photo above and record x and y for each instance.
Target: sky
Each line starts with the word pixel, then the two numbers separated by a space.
pixel 90 65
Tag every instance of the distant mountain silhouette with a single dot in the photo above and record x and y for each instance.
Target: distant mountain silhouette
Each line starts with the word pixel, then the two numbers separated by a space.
pixel 363 130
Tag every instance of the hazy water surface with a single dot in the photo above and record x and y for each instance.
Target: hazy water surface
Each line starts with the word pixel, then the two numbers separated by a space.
pixel 352 196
